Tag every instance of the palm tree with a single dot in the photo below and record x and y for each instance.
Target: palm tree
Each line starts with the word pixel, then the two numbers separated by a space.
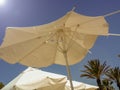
pixel 1 85
pixel 119 55
pixel 114 74
pixel 94 69
pixel 107 84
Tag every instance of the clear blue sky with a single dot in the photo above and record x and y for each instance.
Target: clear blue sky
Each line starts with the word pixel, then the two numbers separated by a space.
pixel 16 13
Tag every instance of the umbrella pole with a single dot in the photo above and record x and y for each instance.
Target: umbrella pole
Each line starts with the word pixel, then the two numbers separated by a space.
pixel 68 70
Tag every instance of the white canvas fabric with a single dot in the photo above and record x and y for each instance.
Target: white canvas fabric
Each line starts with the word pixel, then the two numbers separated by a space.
pixel 41 46
pixel 80 86
pixel 34 79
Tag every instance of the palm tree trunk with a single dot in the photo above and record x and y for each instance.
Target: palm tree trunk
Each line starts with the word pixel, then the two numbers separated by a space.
pixel 99 83
pixel 118 84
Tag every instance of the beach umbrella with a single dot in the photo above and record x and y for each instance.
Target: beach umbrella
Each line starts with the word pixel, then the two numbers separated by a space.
pixel 65 41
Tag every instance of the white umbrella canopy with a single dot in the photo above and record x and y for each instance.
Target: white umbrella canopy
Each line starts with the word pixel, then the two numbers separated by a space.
pixel 41 46
pixel 35 79
pixel 65 41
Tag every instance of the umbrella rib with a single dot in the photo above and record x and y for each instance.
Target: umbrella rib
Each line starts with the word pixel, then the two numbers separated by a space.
pixel 68 17
pixel 19 42
pixel 75 42
pixel 37 47
pixel 21 30
pixel 70 43
pixel 56 52
pixel 58 48
pixel 63 43
pixel 101 17
pixel 25 40
pixel 90 20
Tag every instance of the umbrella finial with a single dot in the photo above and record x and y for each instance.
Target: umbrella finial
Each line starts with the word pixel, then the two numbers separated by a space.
pixel 74 7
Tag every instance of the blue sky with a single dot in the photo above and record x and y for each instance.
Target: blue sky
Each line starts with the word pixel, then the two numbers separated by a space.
pixel 17 13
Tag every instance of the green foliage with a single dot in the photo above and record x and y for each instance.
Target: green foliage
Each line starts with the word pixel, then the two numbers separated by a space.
pixel 94 69
pixel 114 74
pixel 119 55
pixel 1 85
pixel 107 84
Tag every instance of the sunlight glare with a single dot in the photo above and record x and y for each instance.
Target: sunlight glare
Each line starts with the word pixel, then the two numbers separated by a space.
pixel 2 2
